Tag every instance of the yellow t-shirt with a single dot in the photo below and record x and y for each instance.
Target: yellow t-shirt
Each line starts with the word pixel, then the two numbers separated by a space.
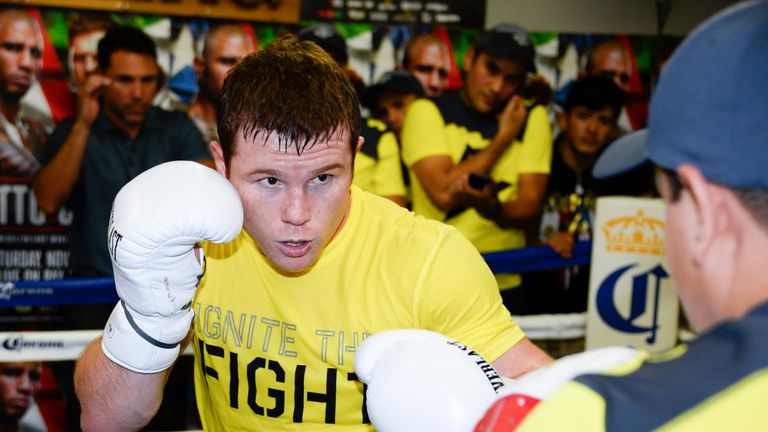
pixel 718 382
pixel 446 127
pixel 274 349
pixel 377 165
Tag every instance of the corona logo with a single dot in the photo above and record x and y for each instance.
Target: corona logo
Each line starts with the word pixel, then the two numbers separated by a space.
pixel 18 343
pixel 637 234
pixel 643 285
pixel 6 290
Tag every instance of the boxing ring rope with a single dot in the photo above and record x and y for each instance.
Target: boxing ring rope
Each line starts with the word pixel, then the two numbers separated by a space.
pixel 67 345
pixel 544 326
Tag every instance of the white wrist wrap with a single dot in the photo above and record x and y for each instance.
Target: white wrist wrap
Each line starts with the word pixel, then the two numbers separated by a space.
pixel 143 343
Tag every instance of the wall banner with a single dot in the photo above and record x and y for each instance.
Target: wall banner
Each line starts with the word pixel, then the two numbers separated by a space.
pixel 424 12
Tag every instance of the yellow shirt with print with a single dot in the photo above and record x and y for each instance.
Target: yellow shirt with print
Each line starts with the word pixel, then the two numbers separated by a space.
pixel 274 351
pixel 427 132
pixel 717 382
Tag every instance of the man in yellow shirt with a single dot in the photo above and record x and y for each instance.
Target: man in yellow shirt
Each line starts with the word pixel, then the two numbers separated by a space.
pixel 486 129
pixel 378 165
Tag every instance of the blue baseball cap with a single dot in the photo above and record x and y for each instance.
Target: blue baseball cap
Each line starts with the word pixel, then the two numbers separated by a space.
pixel 710 108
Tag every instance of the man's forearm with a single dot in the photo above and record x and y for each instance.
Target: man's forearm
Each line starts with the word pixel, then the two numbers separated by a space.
pixel 112 397
pixel 55 181
pixel 524 211
pixel 482 162
pixel 517 214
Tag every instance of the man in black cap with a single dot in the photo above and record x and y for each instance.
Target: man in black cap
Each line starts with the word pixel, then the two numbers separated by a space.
pixel 479 157
pixel 331 41
pixel 391 96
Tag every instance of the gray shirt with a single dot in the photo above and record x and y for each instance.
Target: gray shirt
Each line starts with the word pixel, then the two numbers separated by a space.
pixel 110 161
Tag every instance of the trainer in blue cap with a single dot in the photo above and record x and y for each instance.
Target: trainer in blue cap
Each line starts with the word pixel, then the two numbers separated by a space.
pixel 708 134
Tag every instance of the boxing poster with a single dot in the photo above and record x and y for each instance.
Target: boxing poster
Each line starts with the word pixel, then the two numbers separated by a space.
pixel 632 298
pixel 32 245
pixel 284 11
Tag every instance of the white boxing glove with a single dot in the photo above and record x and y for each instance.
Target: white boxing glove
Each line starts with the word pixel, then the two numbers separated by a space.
pixel 157 218
pixel 520 397
pixel 422 381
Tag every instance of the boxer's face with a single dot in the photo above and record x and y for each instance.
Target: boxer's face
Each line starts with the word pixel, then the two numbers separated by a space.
pixel 18 383
pixel 294 204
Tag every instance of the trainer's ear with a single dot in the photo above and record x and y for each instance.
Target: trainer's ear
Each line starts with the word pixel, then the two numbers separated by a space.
pixel 360 142
pixel 708 215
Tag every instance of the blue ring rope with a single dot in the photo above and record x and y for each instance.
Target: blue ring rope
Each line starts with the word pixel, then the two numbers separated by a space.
pixel 101 290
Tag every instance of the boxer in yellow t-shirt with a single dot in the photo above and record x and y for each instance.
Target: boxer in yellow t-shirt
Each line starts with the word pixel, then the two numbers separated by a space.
pixel 313 266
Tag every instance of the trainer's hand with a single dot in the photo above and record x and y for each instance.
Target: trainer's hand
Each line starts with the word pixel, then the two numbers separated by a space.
pixel 519 398
pixel 422 381
pixel 157 218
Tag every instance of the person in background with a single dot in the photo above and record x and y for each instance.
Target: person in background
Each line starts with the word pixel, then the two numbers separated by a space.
pixel 478 158
pixel 588 124
pixel 609 59
pixel 19 382
pixel 218 50
pixel 378 166
pixel 21 49
pixel 389 99
pixel 116 135
pixel 331 41
pixel 426 57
